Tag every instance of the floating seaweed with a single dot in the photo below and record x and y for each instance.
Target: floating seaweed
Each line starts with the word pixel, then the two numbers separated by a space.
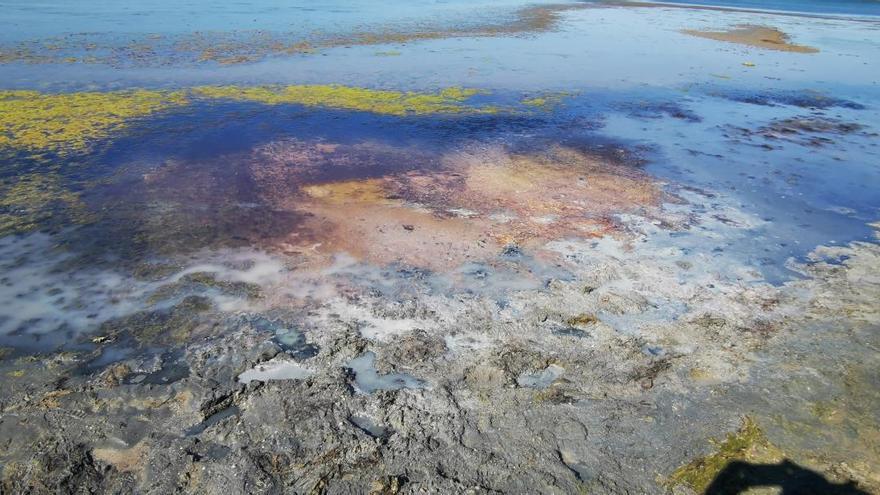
pixel 447 101
pixel 71 122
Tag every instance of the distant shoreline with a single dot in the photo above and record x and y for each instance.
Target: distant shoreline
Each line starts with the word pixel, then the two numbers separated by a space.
pixel 792 13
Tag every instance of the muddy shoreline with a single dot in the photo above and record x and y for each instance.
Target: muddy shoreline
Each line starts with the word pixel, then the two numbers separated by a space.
pixel 552 390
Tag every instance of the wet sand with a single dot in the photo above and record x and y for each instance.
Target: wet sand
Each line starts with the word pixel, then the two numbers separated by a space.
pixel 758 36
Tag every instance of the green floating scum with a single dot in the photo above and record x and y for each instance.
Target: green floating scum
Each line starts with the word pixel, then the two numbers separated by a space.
pixel 69 122
pixel 448 101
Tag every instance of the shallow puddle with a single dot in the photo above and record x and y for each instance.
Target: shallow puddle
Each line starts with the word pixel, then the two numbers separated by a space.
pixel 368 380
pixel 541 379
pixel 275 369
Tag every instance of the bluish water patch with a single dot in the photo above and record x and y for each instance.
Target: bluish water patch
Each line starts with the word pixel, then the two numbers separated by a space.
pixel 367 380
pixel 291 340
pixel 26 20
pixel 212 420
pixel 847 7
pixel 275 369
pixel 369 426
pixel 541 379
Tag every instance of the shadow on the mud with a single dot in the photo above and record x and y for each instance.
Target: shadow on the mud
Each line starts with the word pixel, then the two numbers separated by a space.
pixel 738 476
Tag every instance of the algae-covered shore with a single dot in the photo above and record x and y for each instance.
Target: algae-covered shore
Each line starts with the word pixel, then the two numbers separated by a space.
pixel 469 247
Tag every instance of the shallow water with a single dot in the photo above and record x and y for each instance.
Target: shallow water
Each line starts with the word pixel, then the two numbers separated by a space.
pixel 848 7
pixel 541 379
pixel 215 173
pixel 170 17
pixel 274 370
pixel 368 380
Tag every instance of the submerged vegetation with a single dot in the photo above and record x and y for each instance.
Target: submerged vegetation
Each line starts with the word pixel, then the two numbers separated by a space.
pixel 70 122
pixel 64 124
pixel 28 201
pixel 67 122
pixel 247 46
pixel 449 100
pixel 44 135
pixel 746 444
pixel 546 101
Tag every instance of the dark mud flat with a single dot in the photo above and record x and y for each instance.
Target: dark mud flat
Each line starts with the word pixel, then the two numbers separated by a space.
pixel 491 399
pixel 441 248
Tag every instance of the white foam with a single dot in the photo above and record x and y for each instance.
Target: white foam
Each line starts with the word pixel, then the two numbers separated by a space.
pixel 44 298
pixel 374 327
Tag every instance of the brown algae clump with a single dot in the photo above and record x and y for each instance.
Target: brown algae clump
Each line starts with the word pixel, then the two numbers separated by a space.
pixel 449 101
pixel 582 320
pixel 65 122
pixel 747 444
pixel 758 36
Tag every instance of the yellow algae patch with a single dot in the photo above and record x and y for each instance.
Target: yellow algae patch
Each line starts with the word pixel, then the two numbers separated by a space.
pixel 71 122
pixel 758 36
pixel 66 122
pixel 368 191
pixel 448 101
pixel 747 444
pixel 31 199
pixel 699 374
pixel 547 101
